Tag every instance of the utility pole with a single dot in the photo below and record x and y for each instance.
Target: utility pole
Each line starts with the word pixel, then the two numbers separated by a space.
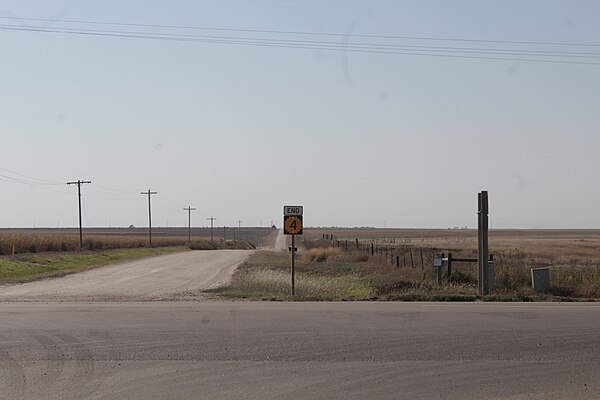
pixel 212 219
pixel 224 233
pixel 189 210
pixel 482 242
pixel 149 193
pixel 240 228
pixel 79 183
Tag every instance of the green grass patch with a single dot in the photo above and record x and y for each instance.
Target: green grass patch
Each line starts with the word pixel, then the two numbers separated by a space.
pixel 28 267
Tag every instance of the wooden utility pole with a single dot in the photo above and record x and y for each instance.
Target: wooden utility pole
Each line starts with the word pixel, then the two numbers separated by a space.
pixel 482 243
pixel 211 219
pixel 149 193
pixel 79 183
pixel 189 210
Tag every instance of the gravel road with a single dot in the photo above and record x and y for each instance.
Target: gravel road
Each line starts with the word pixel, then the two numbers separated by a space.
pixel 177 276
pixel 280 241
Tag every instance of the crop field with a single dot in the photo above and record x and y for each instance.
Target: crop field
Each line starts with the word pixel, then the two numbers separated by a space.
pixel 19 241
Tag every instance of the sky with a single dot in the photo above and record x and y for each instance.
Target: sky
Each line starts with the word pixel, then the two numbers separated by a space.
pixel 343 121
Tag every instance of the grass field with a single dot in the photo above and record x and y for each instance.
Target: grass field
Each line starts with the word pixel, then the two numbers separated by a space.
pixel 333 269
pixel 36 266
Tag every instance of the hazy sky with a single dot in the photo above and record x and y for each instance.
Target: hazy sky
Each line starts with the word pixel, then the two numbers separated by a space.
pixel 358 138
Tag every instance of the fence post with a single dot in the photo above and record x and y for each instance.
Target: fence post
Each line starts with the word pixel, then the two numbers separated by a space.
pixel 439 272
pixel 412 264
pixel 449 265
pixel 397 261
pixel 372 249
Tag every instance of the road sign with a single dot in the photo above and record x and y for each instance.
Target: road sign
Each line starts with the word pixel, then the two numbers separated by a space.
pixel 292 225
pixel 292 210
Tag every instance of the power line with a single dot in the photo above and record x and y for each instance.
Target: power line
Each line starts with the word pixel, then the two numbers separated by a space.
pixel 369 48
pixel 38 181
pixel 298 43
pixel 334 45
pixel 286 32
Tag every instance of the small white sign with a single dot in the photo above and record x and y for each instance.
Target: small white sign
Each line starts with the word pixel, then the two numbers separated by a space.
pixel 437 262
pixel 292 210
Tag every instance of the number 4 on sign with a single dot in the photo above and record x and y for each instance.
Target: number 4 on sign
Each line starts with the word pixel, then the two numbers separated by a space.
pixel 292 225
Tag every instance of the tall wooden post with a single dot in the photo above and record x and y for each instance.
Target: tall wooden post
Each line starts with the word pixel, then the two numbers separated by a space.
pixel 482 243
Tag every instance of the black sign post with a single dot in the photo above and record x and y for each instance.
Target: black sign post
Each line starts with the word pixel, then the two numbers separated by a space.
pixel 292 225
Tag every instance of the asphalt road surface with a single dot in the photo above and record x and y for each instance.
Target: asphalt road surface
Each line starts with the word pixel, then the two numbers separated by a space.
pixel 258 350
pixel 168 277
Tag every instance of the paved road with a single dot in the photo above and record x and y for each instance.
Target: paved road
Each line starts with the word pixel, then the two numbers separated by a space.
pixel 167 277
pixel 257 350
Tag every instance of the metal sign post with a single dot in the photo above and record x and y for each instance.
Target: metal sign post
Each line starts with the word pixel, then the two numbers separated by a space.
pixel 293 265
pixel 292 225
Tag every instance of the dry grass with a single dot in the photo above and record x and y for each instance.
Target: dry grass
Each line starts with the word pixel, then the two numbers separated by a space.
pixel 18 243
pixel 332 254
pixel 573 256
pixel 265 283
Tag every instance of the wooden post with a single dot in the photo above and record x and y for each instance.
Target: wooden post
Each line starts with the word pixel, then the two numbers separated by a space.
pixel 449 265
pixel 422 263
pixel 397 261
pixel 482 243
pixel 439 272
pixel 372 249
pixel 412 263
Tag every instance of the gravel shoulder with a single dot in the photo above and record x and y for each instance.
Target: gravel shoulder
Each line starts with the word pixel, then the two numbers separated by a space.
pixel 180 276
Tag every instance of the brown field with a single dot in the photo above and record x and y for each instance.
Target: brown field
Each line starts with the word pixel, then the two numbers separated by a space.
pixel 573 256
pixel 550 246
pixel 19 241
